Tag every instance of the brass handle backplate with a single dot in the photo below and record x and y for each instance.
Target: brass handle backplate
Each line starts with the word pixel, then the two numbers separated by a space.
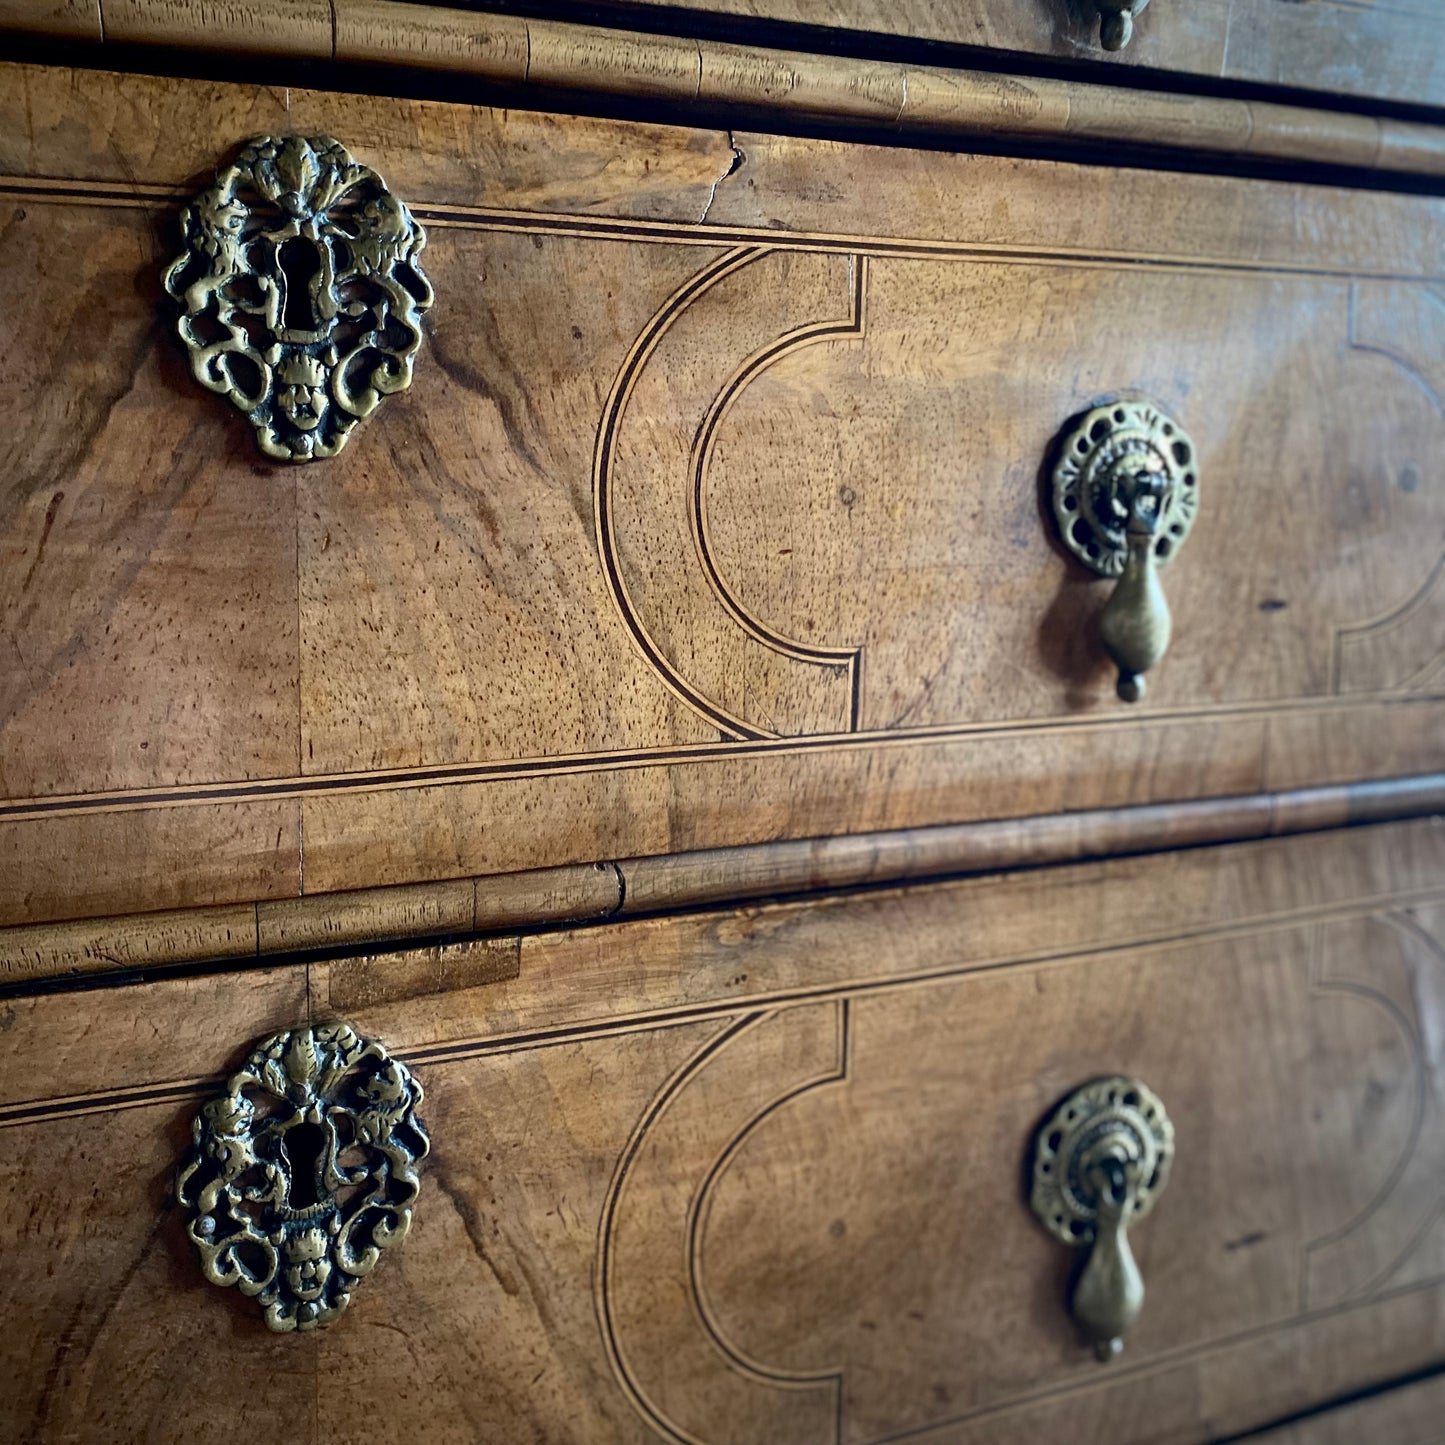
pixel 1125 491
pixel 1116 21
pixel 1099 1164
pixel 303 1171
pixel 301 292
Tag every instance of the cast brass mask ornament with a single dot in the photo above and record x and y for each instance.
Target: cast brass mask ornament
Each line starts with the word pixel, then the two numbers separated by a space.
pixel 304 1171
pixel 1125 491
pixel 1099 1163
pixel 301 290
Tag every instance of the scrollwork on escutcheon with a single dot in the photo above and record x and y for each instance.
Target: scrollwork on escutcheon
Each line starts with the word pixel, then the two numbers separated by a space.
pixel 304 1171
pixel 302 292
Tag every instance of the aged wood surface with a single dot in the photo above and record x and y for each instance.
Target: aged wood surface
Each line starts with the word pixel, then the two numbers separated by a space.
pixel 713 516
pixel 620 888
pixel 755 1174
pixel 516 50
pixel 1392 50
pixel 1410 1415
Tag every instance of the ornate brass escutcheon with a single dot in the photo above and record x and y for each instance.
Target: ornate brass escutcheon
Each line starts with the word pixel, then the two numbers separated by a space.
pixel 1099 1164
pixel 301 290
pixel 304 1171
pixel 1116 21
pixel 1125 491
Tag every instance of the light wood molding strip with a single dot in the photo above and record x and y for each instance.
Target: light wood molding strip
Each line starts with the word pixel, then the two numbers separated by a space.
pixel 921 100
pixel 606 891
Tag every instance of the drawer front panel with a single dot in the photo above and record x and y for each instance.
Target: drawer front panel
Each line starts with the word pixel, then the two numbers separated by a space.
pixel 689 534
pixel 756 1175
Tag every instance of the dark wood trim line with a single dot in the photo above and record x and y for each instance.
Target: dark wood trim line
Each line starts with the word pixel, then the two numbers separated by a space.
pixel 379 919
pixel 898 97
pixel 1380 1388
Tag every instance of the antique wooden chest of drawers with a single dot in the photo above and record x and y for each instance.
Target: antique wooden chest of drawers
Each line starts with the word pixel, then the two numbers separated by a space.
pixel 713 737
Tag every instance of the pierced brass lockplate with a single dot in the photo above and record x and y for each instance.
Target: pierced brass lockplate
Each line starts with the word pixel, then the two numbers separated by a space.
pixel 304 1171
pixel 301 291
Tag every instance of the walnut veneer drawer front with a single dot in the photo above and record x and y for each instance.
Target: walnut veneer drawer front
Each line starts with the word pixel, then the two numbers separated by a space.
pixel 755 1175
pixel 714 513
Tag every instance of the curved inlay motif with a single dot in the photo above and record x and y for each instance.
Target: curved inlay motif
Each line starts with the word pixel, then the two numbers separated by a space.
pixel 1373 1248
pixel 1399 639
pixel 701 1210
pixel 746 678
pixel 1402 649
pixel 854 325
pixel 667 1347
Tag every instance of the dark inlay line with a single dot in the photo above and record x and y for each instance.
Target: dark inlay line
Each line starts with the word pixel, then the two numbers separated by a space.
pixel 682 753
pixel 1336 1402
pixel 30 1113
pixel 622 229
pixel 488 218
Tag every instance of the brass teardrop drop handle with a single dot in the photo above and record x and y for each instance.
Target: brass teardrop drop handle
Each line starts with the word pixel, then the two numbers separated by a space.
pixel 1116 21
pixel 1134 625
pixel 1099 1163
pixel 1125 492
pixel 1110 1291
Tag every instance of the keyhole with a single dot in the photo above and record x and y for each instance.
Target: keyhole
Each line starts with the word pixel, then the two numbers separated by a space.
pixel 305 1145
pixel 299 264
